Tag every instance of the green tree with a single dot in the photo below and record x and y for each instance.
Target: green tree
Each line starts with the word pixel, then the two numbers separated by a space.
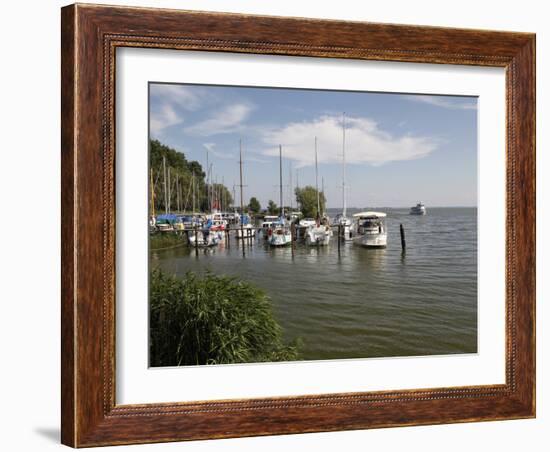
pixel 306 198
pixel 182 174
pixel 254 205
pixel 272 208
pixel 212 320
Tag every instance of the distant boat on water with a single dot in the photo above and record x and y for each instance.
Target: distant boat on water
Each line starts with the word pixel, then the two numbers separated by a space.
pixel 419 209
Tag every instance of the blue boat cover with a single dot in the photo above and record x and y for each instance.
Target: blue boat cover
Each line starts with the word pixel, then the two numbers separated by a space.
pixel 168 218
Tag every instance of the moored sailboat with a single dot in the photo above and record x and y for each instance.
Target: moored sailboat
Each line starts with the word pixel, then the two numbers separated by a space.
pixel 246 229
pixel 279 234
pixel 342 222
pixel 318 234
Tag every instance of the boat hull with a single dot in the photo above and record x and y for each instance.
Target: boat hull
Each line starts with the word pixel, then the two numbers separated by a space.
pixel 318 236
pixel 371 240
pixel 280 239
pixel 202 241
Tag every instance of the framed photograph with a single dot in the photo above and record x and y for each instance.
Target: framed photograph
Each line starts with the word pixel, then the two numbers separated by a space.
pixel 282 225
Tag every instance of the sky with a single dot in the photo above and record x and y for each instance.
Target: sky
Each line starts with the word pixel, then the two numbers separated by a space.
pixel 400 148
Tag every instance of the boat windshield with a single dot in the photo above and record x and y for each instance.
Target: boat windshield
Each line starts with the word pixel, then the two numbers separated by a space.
pixel 371 223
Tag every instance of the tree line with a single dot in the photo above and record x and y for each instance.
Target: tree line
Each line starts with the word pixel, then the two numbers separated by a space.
pixel 306 198
pixel 180 185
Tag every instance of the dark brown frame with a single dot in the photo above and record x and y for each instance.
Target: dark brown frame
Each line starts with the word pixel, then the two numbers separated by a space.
pixel 90 36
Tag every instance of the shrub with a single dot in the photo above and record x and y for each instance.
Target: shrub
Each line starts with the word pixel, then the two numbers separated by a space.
pixel 212 320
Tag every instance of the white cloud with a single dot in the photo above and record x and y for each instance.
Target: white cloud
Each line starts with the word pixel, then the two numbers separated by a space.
pixel 165 117
pixel 226 120
pixel 189 98
pixel 365 142
pixel 223 155
pixel 449 102
pixel 169 102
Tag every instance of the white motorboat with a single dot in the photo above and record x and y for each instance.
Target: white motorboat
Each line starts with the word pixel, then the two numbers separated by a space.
pixel 370 230
pixel 419 209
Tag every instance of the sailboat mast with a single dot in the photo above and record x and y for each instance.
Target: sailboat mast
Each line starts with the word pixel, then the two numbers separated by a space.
pixel 209 188
pixel 223 195
pixel 317 181
pixel 344 164
pixel 290 185
pixel 281 180
pixel 169 192
pixel 208 206
pixel 323 189
pixel 165 189
pixel 152 195
pixel 178 191
pixel 193 182
pixel 241 175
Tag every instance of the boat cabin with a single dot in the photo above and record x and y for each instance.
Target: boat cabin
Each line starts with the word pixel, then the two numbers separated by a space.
pixel 370 222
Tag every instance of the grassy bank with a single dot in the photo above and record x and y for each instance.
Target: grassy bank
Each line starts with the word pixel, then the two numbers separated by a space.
pixel 212 320
pixel 166 240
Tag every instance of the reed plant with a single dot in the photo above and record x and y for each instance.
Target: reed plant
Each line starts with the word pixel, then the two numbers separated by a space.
pixel 212 320
pixel 163 240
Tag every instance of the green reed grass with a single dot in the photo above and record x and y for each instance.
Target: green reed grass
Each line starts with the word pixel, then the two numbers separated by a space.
pixel 166 240
pixel 212 320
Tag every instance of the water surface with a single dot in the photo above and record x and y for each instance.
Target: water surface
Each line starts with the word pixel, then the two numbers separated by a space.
pixel 357 302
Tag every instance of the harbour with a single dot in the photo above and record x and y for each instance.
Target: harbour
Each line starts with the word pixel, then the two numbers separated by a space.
pixel 283 264
pixel 345 301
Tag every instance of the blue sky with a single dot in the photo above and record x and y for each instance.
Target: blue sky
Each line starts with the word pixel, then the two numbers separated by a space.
pixel 400 148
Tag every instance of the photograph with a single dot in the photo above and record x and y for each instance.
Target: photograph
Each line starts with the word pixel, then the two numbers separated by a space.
pixel 291 224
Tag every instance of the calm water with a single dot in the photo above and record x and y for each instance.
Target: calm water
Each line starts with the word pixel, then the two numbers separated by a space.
pixel 365 302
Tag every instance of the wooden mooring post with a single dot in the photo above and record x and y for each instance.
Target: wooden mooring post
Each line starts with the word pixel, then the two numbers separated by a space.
pixel 340 236
pixel 402 232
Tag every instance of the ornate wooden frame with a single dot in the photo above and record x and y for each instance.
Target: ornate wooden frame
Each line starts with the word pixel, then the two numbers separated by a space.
pixel 90 35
